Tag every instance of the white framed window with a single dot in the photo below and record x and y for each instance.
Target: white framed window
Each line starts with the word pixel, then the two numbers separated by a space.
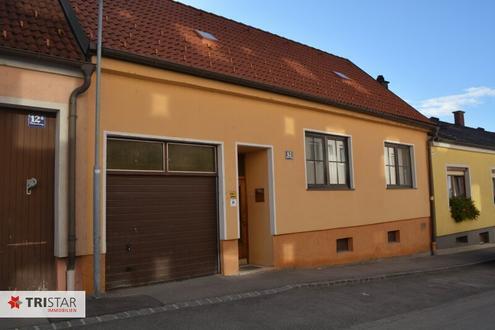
pixel 458 181
pixel 328 161
pixel 399 165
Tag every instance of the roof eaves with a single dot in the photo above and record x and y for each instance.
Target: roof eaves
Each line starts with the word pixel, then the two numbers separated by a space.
pixel 30 55
pixel 159 63
pixel 465 144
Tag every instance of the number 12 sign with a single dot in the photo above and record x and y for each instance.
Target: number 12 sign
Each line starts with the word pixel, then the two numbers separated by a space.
pixel 36 121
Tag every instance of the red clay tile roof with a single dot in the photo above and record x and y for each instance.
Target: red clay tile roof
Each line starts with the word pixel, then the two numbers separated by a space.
pixel 166 30
pixel 38 27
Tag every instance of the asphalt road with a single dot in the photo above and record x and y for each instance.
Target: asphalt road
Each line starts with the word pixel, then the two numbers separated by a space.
pixel 460 299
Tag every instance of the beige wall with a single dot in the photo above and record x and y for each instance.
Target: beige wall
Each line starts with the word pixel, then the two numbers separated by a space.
pixel 147 101
pixel 29 83
pixel 260 237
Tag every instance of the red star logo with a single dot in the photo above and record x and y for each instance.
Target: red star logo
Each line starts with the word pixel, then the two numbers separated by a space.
pixel 14 302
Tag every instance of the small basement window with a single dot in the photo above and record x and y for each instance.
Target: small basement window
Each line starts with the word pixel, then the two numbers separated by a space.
pixel 394 236
pixel 485 237
pixel 461 239
pixel 344 244
pixel 134 155
pixel 191 158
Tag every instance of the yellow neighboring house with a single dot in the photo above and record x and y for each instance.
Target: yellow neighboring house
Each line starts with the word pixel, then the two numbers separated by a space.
pixel 463 164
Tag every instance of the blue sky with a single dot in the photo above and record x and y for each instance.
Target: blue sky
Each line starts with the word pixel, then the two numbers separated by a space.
pixel 438 55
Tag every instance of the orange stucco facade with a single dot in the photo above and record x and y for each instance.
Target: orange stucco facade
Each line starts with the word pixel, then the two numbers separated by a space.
pixel 369 242
pixel 146 102
pixel 297 223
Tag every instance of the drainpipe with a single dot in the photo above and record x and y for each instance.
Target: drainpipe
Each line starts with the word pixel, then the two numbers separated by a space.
pixel 87 70
pixel 433 229
pixel 96 169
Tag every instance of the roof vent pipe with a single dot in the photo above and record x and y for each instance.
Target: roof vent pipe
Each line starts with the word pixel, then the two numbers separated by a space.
pixel 382 81
pixel 459 117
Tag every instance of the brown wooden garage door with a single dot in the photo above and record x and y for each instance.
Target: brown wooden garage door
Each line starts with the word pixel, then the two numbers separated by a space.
pixel 160 227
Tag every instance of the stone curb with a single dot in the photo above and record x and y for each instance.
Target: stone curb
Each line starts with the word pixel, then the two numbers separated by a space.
pixel 242 296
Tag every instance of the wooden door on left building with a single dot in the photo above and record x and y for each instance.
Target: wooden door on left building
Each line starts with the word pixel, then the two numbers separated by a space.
pixel 27 174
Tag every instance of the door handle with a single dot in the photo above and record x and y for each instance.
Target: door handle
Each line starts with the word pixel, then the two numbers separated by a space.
pixel 30 184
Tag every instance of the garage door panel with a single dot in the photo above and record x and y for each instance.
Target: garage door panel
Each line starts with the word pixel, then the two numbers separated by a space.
pixel 137 274
pixel 160 228
pixel 151 247
pixel 163 266
pixel 150 231
pixel 143 241
pixel 142 184
pixel 131 228
pixel 142 278
pixel 159 262
pixel 174 246
pixel 155 213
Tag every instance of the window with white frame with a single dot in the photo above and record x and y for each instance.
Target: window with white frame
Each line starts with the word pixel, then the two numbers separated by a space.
pixel 327 161
pixel 398 165
pixel 457 180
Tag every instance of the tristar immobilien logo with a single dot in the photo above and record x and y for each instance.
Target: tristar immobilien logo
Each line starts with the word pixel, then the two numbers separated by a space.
pixel 14 302
pixel 43 304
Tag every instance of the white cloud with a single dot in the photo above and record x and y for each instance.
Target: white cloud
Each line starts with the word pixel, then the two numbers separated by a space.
pixel 444 105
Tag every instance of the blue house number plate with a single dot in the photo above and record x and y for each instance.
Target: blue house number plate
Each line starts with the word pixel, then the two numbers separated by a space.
pixel 36 121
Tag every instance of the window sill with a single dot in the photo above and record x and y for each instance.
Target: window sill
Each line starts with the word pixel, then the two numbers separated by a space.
pixel 329 189
pixel 344 251
pixel 401 187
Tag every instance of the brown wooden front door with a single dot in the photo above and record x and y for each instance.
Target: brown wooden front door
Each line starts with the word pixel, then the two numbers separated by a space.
pixel 243 240
pixel 27 149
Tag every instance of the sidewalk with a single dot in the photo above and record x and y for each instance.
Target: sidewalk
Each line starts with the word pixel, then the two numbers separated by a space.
pixel 217 289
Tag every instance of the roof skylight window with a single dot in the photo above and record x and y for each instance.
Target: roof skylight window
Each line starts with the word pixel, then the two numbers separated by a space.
pixel 206 35
pixel 341 75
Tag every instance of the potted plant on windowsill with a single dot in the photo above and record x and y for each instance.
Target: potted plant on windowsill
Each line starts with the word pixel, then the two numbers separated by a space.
pixel 463 208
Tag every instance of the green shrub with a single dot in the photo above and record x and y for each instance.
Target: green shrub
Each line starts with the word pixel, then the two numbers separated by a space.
pixel 463 208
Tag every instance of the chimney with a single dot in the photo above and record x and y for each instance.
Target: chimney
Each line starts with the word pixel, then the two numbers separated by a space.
pixel 382 81
pixel 459 117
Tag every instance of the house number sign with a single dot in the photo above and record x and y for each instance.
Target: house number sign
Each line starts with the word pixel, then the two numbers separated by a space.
pixel 36 121
pixel 289 154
